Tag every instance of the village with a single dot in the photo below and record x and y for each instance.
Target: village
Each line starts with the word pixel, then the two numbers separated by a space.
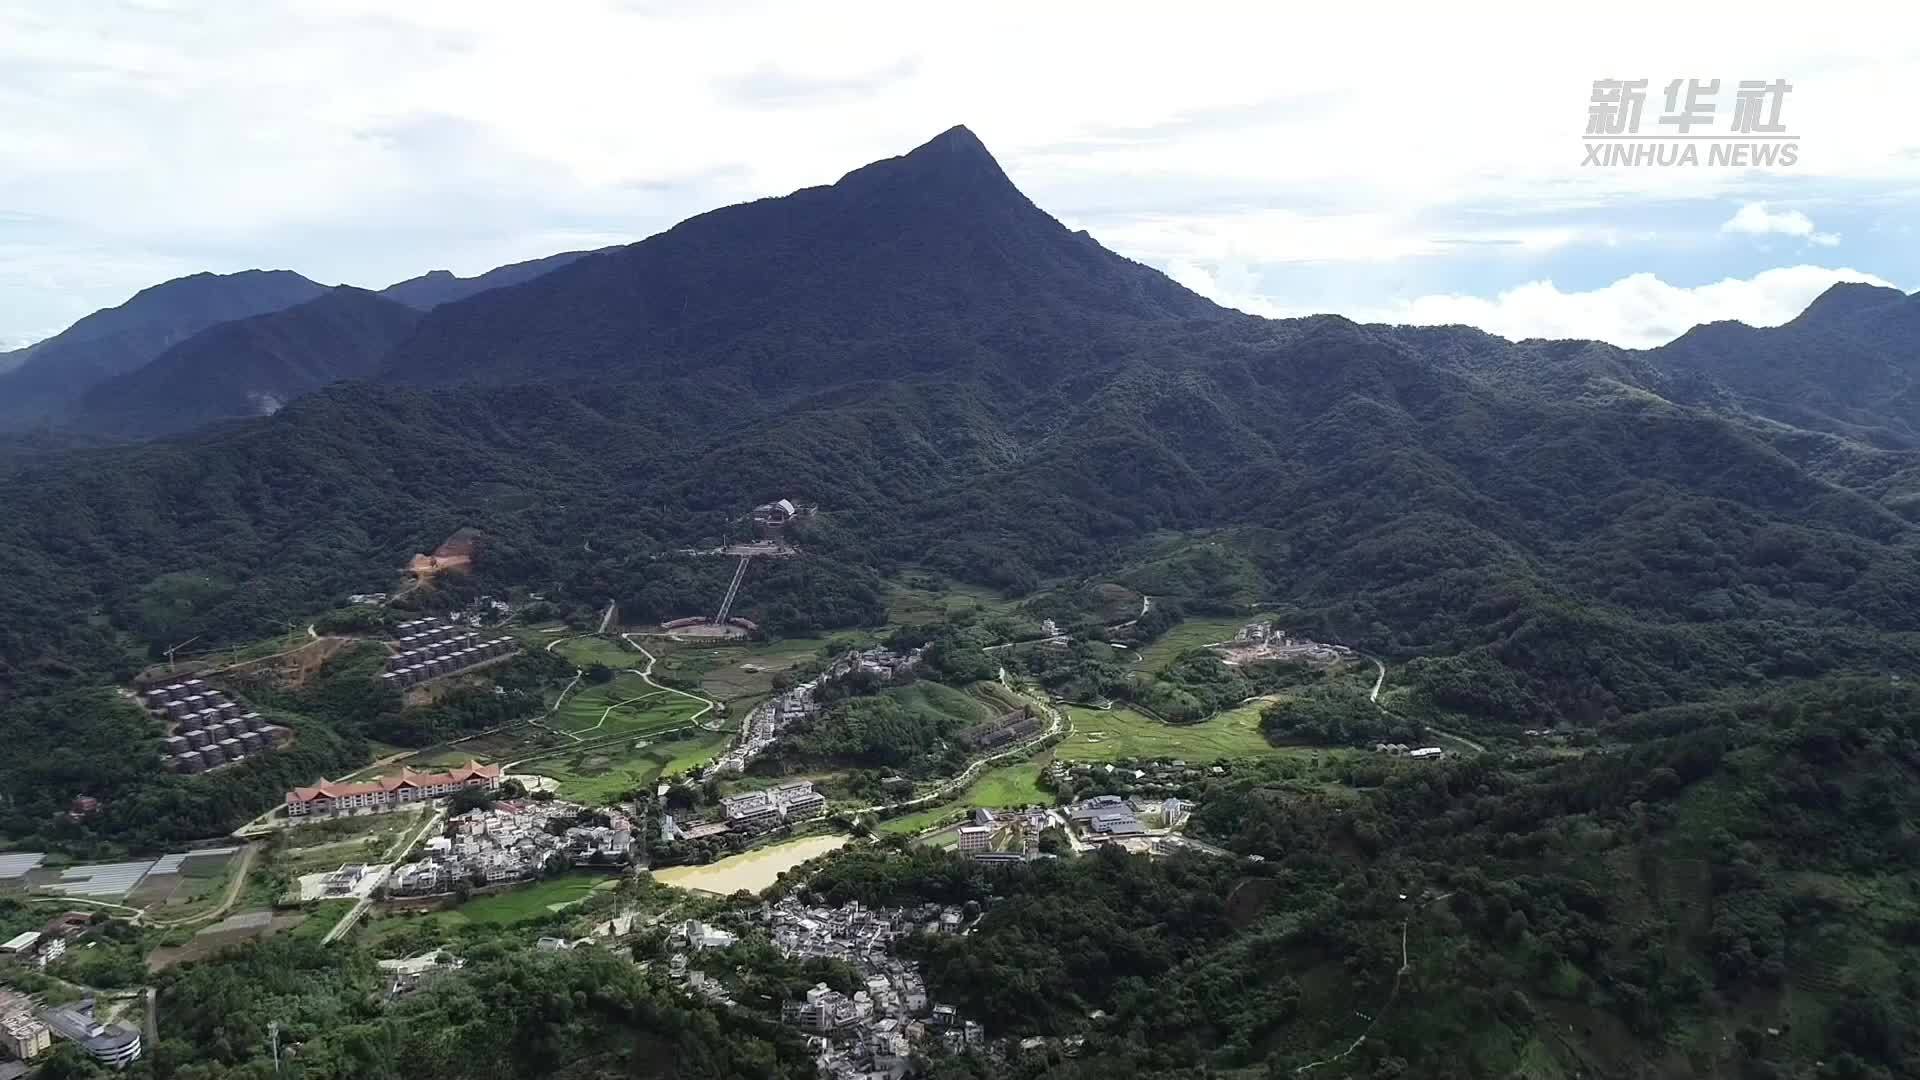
pixel 764 725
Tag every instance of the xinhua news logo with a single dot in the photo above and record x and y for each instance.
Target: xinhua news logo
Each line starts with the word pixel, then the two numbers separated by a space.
pixel 1685 133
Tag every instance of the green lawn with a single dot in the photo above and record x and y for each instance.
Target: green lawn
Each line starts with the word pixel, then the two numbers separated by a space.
pixel 1017 784
pixel 524 902
pixel 586 651
pixel 1124 733
pixel 596 776
pixel 1191 634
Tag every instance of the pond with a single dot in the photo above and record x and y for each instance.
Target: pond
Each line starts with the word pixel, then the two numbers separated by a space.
pixel 750 870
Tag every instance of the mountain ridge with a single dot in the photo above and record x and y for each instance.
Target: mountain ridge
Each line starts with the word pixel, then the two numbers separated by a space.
pixel 249 367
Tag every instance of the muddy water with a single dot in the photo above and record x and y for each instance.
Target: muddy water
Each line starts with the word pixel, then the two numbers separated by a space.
pixel 751 870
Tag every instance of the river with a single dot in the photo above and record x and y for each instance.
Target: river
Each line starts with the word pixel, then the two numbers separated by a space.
pixel 750 870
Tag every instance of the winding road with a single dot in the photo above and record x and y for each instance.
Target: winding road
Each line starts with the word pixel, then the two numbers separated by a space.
pixel 646 676
pixel 1374 697
pixel 959 781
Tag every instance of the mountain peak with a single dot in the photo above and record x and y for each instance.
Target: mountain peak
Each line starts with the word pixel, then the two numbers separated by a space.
pixel 955 159
pixel 1845 299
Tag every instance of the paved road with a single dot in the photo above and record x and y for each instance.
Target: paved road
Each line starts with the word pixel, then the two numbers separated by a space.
pixel 1375 698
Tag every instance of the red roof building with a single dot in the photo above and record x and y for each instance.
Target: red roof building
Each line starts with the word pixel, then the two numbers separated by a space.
pixel 392 792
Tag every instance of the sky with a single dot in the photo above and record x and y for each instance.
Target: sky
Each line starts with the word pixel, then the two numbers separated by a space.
pixel 1387 163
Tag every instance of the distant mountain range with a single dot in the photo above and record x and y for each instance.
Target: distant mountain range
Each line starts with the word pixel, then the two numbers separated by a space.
pixel 93 376
pixel 249 367
pixel 117 340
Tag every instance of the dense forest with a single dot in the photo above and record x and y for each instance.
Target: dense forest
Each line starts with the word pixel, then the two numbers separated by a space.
pixel 1732 892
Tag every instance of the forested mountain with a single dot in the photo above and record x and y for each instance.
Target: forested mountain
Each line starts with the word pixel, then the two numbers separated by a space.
pixel 963 383
pixel 930 262
pixel 1849 365
pixel 437 287
pixel 249 367
pixel 120 339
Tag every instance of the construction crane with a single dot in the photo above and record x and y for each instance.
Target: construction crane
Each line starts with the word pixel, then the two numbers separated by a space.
pixel 176 648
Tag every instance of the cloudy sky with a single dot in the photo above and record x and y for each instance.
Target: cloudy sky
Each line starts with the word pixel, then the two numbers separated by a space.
pixel 1410 165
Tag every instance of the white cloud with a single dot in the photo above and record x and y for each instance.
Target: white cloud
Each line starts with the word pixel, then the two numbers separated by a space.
pixel 1754 219
pixel 1638 311
pixel 365 141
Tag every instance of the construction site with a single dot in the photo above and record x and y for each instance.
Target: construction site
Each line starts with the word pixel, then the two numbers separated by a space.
pixel 1261 641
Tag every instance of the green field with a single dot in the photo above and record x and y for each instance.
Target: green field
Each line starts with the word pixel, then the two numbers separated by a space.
pixel 600 775
pixel 623 706
pixel 1017 784
pixel 722 669
pixel 586 651
pixel 321 919
pixel 933 697
pixel 913 603
pixel 1191 634
pixel 1123 733
pixel 525 902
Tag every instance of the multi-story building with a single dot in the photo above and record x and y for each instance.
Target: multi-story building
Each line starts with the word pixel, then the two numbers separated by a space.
pixel 390 793
pixel 976 837
pixel 24 1036
pixel 115 1045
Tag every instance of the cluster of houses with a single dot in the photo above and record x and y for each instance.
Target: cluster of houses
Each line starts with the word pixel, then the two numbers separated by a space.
pixel 764 724
pixel 1258 641
pixel 427 649
pixel 874 1030
pixel 758 811
pixel 409 788
pixel 27 1032
pixel 207 727
pixel 514 841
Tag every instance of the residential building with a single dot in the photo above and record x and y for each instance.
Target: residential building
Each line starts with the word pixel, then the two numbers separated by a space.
pixel 390 793
pixel 24 1036
pixel 976 837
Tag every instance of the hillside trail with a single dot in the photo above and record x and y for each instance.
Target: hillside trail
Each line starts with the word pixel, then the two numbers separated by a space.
pixel 646 676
